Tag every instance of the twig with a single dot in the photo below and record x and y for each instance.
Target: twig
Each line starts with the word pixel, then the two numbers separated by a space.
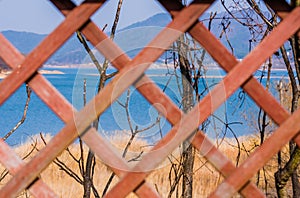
pixel 62 165
pixel 28 91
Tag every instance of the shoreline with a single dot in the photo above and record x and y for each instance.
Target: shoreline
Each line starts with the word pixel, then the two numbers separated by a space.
pixel 54 69
pixel 153 66
pixel 42 71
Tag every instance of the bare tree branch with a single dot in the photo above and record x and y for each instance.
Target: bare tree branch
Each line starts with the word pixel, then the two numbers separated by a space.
pixel 28 92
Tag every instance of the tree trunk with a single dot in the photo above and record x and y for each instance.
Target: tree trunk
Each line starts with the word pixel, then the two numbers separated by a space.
pixel 290 169
pixel 87 178
pixel 188 103
pixel 282 176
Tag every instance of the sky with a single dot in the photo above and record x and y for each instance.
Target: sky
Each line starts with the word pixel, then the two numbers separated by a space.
pixel 40 16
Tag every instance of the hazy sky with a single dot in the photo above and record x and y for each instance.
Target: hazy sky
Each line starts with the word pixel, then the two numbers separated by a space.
pixel 40 16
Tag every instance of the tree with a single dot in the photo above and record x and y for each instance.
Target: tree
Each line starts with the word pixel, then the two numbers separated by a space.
pixel 255 18
pixel 104 77
pixel 188 58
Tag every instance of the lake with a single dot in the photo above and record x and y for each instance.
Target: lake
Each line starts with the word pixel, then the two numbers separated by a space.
pixel 239 111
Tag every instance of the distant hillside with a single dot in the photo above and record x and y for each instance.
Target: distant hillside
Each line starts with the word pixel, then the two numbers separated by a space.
pixel 160 20
pixel 71 52
pixel 131 39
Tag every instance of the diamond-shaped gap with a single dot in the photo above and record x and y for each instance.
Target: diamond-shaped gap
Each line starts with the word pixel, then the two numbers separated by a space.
pixel 236 114
pixel 241 30
pixel 139 121
pixel 209 74
pixel 238 151
pixel 236 118
pixel 212 75
pixel 262 72
pixel 67 68
pixel 26 23
pixel 88 72
pixel 164 177
pixel 39 118
pixel 239 114
pixel 136 27
pixel 56 178
pixel 279 83
pixel 114 122
pixel 132 15
pixel 31 16
pixel 70 54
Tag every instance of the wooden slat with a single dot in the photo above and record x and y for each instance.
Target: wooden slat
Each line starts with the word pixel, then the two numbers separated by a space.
pixel 13 163
pixel 259 157
pixel 47 47
pixel 220 93
pixel 97 106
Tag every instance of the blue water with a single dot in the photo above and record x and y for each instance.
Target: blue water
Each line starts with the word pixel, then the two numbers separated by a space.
pixel 238 110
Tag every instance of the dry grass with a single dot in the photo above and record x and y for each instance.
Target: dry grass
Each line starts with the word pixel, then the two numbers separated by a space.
pixel 206 178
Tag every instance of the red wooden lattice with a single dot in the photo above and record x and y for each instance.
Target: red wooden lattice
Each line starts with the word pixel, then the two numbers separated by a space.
pixel 131 72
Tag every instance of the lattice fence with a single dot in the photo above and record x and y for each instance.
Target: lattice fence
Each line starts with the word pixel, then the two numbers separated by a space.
pixel 131 72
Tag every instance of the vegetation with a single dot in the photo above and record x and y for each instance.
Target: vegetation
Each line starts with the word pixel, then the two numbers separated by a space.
pixel 206 178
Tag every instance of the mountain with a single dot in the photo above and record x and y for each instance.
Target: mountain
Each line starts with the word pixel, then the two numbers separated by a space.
pixel 159 20
pixel 140 33
pixel 131 39
pixel 24 41
pixel 71 52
